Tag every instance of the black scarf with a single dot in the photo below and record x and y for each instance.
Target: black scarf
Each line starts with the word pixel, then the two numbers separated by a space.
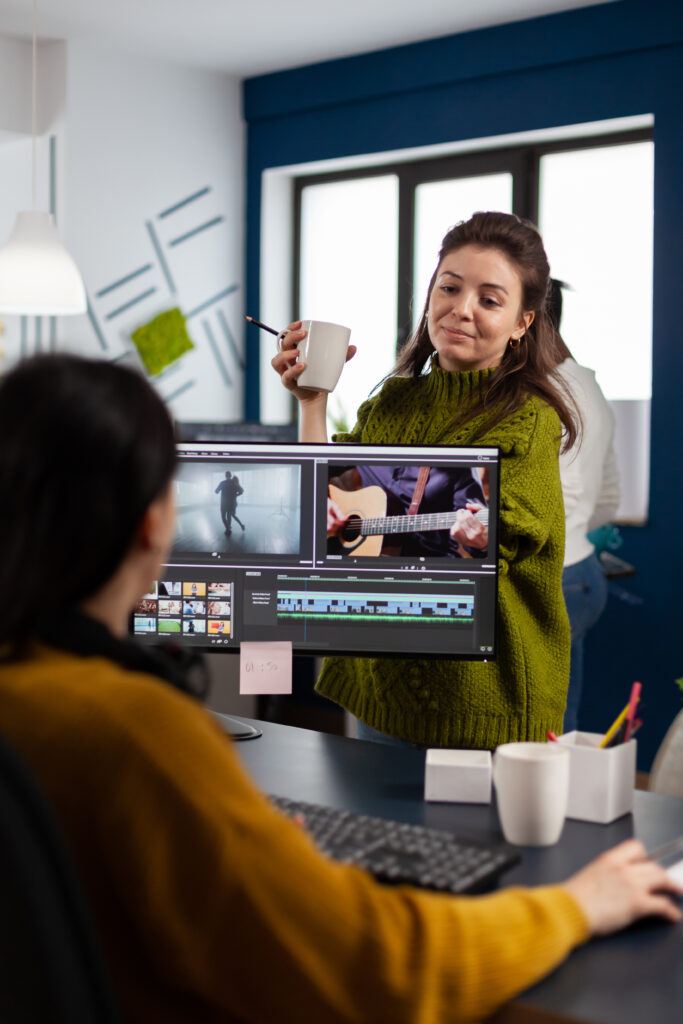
pixel 72 631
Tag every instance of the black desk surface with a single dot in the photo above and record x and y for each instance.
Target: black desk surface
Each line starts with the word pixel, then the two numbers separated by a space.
pixel 635 977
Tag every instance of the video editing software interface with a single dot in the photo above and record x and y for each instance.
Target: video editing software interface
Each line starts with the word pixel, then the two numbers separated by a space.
pixel 340 548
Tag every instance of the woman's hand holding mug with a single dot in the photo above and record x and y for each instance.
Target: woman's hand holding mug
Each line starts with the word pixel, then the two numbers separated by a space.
pixel 323 349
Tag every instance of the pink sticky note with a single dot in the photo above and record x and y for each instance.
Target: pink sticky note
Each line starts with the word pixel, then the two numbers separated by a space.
pixel 266 667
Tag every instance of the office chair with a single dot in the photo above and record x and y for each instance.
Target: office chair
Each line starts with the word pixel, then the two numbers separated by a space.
pixel 51 970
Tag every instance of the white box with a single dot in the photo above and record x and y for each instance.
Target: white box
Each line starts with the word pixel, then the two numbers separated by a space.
pixel 458 776
pixel 601 780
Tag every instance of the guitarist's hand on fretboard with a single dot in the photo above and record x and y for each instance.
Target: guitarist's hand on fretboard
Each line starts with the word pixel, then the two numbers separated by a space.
pixel 468 530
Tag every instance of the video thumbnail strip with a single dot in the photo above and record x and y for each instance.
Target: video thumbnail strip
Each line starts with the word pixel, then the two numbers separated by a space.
pixel 191 607
pixel 374 607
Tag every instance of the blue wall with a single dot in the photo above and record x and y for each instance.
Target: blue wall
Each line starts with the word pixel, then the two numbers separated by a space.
pixel 602 62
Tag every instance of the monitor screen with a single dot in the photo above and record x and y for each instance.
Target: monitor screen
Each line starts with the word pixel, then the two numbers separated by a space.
pixel 340 548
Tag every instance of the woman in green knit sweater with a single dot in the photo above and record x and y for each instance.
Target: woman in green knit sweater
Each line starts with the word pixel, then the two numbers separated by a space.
pixel 478 369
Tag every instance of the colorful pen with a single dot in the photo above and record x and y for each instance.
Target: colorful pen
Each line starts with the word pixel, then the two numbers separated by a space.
pixel 635 697
pixel 614 726
pixel 619 736
pixel 637 722
pixel 552 737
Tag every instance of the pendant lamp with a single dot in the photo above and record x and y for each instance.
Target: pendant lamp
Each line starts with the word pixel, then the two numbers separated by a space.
pixel 37 275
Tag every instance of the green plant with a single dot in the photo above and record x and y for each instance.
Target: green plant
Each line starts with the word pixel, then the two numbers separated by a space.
pixel 338 417
pixel 679 684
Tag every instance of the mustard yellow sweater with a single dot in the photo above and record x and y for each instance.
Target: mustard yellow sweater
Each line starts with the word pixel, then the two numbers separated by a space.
pixel 213 907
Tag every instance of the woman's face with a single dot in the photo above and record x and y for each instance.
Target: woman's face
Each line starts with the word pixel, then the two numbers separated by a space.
pixel 475 307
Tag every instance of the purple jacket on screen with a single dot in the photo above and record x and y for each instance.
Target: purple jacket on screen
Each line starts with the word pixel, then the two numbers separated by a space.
pixel 446 491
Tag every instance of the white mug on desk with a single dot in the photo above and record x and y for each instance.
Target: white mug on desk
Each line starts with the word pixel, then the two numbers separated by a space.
pixel 532 788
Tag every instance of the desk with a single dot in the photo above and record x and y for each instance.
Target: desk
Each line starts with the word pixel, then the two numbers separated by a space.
pixel 635 977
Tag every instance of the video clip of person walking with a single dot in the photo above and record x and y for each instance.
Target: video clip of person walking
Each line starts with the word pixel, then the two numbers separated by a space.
pixel 233 509
pixel 407 511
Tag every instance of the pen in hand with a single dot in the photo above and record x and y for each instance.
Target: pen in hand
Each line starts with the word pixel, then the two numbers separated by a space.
pixel 264 327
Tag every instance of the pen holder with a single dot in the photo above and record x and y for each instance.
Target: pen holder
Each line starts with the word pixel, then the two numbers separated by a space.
pixel 601 780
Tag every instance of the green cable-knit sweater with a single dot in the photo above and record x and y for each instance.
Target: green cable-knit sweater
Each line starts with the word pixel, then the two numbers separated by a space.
pixel 522 694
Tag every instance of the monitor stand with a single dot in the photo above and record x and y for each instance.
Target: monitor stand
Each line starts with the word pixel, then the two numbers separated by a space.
pixel 235 728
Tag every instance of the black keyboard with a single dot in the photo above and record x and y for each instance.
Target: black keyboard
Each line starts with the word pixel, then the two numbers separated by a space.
pixel 399 853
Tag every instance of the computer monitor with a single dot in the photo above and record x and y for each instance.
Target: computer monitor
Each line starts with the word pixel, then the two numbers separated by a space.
pixel 317 544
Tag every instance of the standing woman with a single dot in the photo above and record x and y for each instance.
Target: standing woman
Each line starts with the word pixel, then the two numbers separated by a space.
pixel 478 370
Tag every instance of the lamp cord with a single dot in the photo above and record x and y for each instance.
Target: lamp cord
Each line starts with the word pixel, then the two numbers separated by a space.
pixel 33 108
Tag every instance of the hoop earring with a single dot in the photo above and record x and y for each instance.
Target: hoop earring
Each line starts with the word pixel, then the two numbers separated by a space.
pixel 514 342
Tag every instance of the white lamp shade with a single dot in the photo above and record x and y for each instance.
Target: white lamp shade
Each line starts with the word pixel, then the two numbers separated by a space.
pixel 37 275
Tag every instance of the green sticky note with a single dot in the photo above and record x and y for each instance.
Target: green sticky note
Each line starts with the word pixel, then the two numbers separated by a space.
pixel 163 340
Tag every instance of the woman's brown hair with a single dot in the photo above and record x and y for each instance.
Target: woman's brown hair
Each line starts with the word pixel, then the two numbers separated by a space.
pixel 527 368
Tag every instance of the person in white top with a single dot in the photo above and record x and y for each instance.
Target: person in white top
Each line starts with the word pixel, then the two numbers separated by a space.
pixel 590 488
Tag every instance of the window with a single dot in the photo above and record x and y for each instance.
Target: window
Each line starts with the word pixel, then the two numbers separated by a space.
pixel 366 242
pixel 349 238
pixel 595 215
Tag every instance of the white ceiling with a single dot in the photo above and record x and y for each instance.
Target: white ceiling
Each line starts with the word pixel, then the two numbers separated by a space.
pixel 250 37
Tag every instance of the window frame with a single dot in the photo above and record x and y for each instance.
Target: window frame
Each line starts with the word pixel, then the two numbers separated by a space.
pixel 521 161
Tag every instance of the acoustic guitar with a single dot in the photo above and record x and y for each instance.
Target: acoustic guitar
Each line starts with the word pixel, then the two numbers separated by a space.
pixel 367 523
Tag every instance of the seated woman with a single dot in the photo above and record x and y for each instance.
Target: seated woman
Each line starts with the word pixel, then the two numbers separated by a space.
pixel 210 905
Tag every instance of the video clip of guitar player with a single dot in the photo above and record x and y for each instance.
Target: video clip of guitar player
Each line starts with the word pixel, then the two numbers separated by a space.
pixel 407 511
pixel 233 509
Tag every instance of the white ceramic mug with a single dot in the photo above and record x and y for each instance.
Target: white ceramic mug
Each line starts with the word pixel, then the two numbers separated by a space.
pixel 323 350
pixel 532 789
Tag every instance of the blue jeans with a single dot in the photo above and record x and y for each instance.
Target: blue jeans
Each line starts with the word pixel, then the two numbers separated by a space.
pixel 365 732
pixel 585 594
